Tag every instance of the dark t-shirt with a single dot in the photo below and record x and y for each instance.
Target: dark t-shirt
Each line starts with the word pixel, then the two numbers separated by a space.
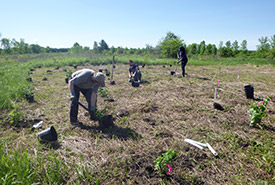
pixel 182 56
pixel 133 68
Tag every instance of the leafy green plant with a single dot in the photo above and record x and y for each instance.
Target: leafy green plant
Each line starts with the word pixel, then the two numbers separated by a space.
pixel 257 111
pixel 15 115
pixel 163 161
pixel 100 114
pixel 103 92
pixel 69 73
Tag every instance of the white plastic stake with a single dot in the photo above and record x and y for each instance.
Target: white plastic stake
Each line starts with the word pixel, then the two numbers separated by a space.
pixel 215 94
pixel 194 144
pixel 38 125
pixel 212 150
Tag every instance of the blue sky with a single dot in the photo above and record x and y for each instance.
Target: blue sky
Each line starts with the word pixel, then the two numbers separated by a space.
pixel 135 23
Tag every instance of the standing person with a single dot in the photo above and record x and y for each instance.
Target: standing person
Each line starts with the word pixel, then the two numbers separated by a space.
pixel 183 59
pixel 134 72
pixel 87 82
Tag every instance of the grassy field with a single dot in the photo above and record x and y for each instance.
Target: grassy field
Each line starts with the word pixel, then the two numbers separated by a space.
pixel 158 116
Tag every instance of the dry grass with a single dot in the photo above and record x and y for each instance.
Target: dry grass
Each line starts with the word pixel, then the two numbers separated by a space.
pixel 163 111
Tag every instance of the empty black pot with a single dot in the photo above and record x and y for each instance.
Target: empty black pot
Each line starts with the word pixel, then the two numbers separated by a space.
pixel 249 91
pixel 67 80
pixel 112 82
pixel 48 135
pixel 29 97
pixel 100 70
pixel 172 72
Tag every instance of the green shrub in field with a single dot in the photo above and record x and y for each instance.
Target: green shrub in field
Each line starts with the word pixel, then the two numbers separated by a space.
pixel 257 111
pixel 162 163
pixel 103 92
pixel 15 115
pixel 69 73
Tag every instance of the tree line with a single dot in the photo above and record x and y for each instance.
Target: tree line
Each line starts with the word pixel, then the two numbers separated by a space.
pixel 167 47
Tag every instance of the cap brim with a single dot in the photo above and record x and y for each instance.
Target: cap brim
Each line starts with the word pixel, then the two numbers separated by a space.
pixel 102 84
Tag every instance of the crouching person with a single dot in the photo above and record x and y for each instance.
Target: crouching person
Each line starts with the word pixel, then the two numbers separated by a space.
pixel 87 82
pixel 134 72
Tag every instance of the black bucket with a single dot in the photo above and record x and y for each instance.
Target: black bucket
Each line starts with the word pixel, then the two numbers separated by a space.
pixel 249 91
pixel 48 134
pixel 135 84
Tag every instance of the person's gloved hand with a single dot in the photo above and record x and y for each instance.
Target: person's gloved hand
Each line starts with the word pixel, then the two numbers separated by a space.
pixel 73 98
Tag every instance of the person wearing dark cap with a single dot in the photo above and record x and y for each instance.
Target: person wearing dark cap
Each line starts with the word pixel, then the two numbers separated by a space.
pixel 182 58
pixel 87 82
pixel 134 72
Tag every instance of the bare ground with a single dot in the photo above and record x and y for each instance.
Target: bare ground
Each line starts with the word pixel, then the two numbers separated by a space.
pixel 162 112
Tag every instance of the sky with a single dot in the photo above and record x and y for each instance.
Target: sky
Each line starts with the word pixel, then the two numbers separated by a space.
pixel 135 23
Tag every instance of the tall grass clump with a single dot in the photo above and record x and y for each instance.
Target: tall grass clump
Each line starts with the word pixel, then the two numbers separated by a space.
pixel 13 84
pixel 18 167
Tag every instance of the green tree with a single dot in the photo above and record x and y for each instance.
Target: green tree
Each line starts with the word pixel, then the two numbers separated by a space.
pixel 209 49
pixel 272 41
pixel 214 50
pixel 193 49
pixel 220 45
pixel 76 48
pixel 235 47
pixel 264 45
pixel 169 45
pixel 244 45
pixel 202 47
pixel 103 45
pixel 228 44
pixel 6 44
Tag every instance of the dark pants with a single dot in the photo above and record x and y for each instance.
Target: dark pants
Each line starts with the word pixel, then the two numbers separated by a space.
pixel 74 103
pixel 183 64
pixel 137 76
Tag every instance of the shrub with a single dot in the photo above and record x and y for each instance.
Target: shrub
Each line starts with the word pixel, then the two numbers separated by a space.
pixel 257 111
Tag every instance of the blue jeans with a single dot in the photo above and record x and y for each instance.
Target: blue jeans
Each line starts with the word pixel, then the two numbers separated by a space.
pixel 74 103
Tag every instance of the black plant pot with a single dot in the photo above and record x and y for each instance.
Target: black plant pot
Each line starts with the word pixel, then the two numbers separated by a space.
pixel 163 66
pixel 67 80
pixel 29 97
pixel 100 70
pixel 172 72
pixel 106 121
pixel 112 82
pixel 29 79
pixel 135 84
pixel 114 66
pixel 143 65
pixel 107 74
pixel 49 134
pixel 249 91
pixel 170 65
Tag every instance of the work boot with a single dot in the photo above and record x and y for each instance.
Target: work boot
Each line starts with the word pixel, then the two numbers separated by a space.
pixel 93 113
pixel 77 123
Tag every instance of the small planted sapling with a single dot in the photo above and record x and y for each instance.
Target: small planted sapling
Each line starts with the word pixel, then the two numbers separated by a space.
pixel 163 162
pixel 257 111
pixel 15 116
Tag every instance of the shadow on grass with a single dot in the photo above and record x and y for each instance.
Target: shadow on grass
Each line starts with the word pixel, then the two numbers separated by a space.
pixel 114 132
pixel 265 127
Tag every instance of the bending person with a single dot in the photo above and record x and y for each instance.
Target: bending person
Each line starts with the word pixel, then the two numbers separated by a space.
pixel 87 82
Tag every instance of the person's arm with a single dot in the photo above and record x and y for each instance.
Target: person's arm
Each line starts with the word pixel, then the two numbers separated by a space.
pixel 130 76
pixel 71 85
pixel 93 99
